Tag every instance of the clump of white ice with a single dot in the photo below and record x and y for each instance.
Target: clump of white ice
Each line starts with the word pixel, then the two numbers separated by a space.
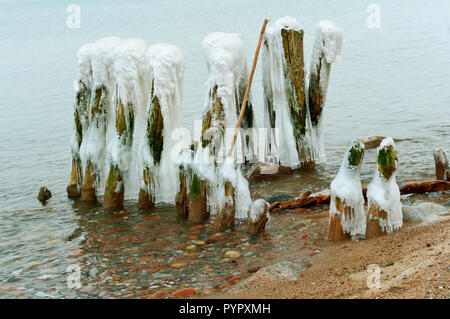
pixel 384 193
pixel 258 208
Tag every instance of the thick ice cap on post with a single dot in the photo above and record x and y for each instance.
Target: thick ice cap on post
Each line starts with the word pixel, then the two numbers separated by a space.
pixel 286 22
pixel 84 65
pixel 329 39
pixel 225 58
pixel 129 64
pixel 166 66
pixel 101 59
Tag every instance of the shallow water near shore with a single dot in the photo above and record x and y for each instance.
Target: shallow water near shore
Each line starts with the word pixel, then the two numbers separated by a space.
pixel 390 81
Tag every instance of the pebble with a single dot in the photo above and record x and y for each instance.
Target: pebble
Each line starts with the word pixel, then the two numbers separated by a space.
pixel 231 254
pixel 199 242
pixel 213 238
pixel 158 295
pixel 184 293
pixel 122 213
pixel 178 265
pixel 315 252
pixel 253 269
pixel 191 247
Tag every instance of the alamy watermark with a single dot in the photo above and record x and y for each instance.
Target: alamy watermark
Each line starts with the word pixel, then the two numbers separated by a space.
pixel 73 21
pixel 374 278
pixel 373 20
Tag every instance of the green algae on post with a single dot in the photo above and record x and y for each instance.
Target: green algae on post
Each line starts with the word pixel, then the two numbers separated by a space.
pixel 198 210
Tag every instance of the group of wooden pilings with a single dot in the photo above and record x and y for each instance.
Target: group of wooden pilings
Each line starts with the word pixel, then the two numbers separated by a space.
pixel 384 213
pixel 192 197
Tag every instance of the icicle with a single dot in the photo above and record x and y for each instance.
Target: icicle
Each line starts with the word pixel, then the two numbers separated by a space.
pixel 441 164
pixel 258 216
pixel 347 216
pixel 383 194
pixel 326 48
pixel 83 95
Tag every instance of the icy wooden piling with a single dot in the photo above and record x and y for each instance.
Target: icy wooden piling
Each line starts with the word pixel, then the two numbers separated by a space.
pixel 83 96
pixel 383 193
pixel 162 176
pixel 347 216
pixel 198 208
pixel 284 91
pixel 292 40
pixel 257 216
pixel 181 199
pixel 96 130
pixel 154 142
pixel 326 48
pixel 225 215
pixel 441 164
pixel 114 188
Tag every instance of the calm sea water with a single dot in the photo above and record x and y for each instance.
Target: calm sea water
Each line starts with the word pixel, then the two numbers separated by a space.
pixel 391 81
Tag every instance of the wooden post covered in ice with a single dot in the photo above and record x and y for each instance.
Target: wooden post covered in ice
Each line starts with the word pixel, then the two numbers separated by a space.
pixel 326 48
pixel 94 147
pixel 154 141
pixel 161 174
pixel 257 216
pixel 441 164
pixel 292 40
pixel 347 217
pixel 284 90
pixel 225 214
pixel 383 193
pixel 98 127
pixel 114 188
pixel 83 96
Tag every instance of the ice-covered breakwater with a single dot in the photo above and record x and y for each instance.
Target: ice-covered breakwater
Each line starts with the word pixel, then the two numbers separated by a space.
pixel 128 97
pixel 128 109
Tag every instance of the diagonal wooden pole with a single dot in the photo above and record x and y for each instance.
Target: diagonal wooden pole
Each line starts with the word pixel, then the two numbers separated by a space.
pixel 249 84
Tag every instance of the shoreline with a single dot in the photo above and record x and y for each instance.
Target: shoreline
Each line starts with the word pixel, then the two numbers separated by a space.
pixel 413 262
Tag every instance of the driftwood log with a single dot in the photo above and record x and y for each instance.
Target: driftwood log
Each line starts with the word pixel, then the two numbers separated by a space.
pixel 323 197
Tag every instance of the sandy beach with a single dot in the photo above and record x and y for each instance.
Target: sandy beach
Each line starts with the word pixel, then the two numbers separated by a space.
pixel 414 263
